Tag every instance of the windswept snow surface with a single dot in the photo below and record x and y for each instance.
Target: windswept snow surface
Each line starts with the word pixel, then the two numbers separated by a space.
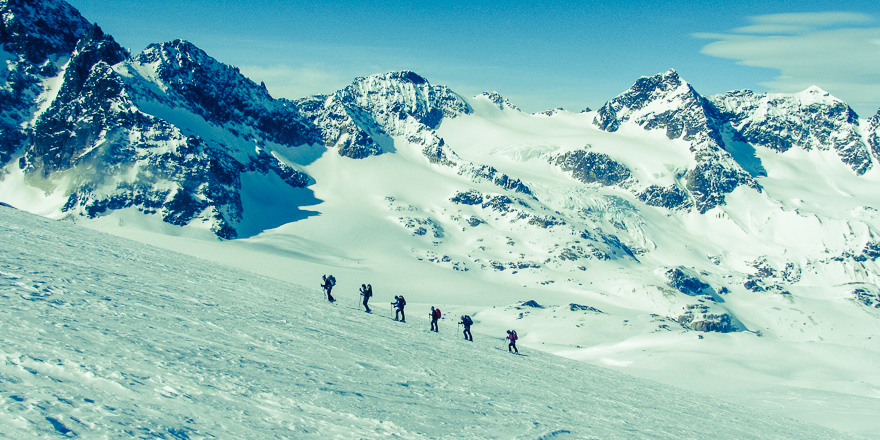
pixel 101 337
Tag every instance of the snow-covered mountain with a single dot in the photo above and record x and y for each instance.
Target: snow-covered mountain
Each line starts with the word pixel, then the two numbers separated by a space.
pixel 663 234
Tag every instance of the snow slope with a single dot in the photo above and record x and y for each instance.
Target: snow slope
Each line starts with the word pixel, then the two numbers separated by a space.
pixel 103 337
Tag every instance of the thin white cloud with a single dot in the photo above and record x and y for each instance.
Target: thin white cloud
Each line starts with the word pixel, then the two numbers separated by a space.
pixel 815 50
pixel 802 22
pixel 290 82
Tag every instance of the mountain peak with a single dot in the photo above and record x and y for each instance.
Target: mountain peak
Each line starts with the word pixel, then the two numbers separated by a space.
pixel 397 94
pixel 662 92
pixel 671 75
pixel 814 90
pixel 660 83
pixel 174 50
pixel 816 95
pixel 499 101
pixel 186 67
pixel 666 102
pixel 408 76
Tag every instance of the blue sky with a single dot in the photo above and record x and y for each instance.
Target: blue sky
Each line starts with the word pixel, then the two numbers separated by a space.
pixel 538 54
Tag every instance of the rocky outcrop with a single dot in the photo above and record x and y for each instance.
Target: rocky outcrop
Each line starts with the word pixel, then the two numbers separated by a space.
pixel 699 317
pixel 867 296
pixel 810 120
pixel 37 38
pixel 671 197
pixel 685 281
pixel 40 31
pixel 873 134
pixel 581 308
pixel 495 98
pixel 592 167
pixel 86 110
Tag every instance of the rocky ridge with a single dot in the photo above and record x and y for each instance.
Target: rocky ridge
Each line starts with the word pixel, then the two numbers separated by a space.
pixel 666 102
pixel 36 41
pixel 115 155
pixel 812 119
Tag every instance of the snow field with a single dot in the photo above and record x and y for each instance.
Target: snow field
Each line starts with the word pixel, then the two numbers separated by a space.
pixel 107 338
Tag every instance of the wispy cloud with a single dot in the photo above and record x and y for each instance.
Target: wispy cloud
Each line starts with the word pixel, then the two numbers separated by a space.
pixel 802 22
pixel 838 51
pixel 284 81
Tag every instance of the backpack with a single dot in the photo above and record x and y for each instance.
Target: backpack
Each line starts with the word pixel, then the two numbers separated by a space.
pixel 402 301
pixel 332 280
pixel 513 336
pixel 467 320
pixel 436 313
pixel 369 292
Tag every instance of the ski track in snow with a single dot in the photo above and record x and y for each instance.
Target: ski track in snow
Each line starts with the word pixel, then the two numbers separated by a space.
pixel 107 338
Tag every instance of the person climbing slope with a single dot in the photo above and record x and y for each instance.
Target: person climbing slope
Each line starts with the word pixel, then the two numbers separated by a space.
pixel 329 282
pixel 435 315
pixel 367 293
pixel 398 304
pixel 467 322
pixel 511 341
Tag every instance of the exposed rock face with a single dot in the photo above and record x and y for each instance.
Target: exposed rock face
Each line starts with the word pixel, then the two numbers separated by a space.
pixel 501 102
pixel 530 303
pixel 867 296
pixel 699 317
pixel 36 37
pixel 38 32
pixel 467 198
pixel 485 172
pixel 685 282
pixel 812 119
pixel 581 308
pixel 873 134
pixel 85 110
pixel 663 101
pixel 671 197
pixel 222 95
pixel 592 167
